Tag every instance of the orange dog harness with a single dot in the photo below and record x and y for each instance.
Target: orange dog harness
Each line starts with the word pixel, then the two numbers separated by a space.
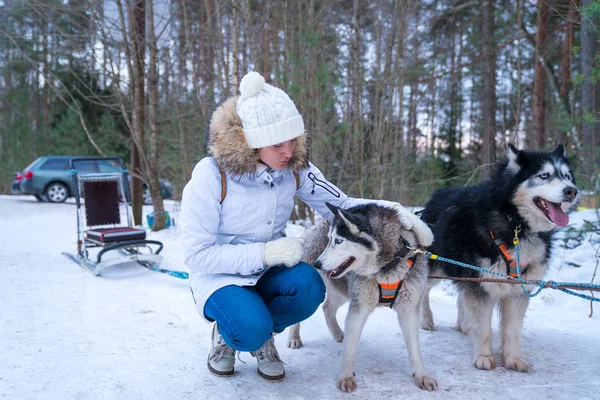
pixel 388 292
pixel 511 263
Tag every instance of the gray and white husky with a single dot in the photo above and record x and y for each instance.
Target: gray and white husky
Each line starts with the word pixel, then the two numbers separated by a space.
pixel 363 247
pixel 528 195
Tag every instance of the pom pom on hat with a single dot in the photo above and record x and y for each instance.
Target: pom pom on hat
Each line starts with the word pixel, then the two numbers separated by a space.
pixel 267 113
pixel 252 84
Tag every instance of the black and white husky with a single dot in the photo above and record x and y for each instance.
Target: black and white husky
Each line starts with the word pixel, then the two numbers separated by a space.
pixel 364 255
pixel 528 195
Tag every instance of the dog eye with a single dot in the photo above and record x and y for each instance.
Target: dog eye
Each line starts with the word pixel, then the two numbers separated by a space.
pixel 568 176
pixel 544 176
pixel 338 241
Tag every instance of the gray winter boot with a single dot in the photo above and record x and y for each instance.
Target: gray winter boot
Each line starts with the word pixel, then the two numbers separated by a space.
pixel 269 364
pixel 221 357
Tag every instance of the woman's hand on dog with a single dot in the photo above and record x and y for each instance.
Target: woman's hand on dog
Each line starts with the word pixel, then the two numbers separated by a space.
pixel 284 251
pixel 410 221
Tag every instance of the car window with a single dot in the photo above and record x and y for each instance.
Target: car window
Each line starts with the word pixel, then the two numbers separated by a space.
pixel 105 166
pixel 86 166
pixel 33 164
pixel 55 163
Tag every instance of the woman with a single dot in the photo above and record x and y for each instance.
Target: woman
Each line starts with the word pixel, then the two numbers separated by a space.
pixel 245 274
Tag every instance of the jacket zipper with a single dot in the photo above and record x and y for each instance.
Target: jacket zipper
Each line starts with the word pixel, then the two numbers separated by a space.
pixel 317 182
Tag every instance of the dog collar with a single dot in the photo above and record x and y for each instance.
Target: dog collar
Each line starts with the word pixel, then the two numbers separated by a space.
pixel 511 263
pixel 388 292
pixel 400 255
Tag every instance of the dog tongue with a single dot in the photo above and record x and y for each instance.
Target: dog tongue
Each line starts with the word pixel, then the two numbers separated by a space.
pixel 556 214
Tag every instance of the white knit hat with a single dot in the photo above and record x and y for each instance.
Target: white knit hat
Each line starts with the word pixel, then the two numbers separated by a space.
pixel 268 114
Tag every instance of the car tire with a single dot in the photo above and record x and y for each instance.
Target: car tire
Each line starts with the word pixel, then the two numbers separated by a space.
pixel 146 196
pixel 57 192
pixel 41 198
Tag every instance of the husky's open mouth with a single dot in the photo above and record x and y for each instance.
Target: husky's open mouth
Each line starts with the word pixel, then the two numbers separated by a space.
pixel 334 273
pixel 552 211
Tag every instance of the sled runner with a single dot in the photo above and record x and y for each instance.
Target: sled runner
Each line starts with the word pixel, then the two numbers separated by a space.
pixel 104 221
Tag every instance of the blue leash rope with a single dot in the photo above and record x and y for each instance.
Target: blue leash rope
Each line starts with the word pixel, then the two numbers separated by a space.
pixel 175 274
pixel 516 243
pixel 555 285
pixel 541 284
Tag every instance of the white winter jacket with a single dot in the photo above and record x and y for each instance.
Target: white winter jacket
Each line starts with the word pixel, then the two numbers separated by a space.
pixel 223 243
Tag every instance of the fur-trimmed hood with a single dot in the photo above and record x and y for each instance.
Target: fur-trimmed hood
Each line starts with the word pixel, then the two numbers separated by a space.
pixel 227 144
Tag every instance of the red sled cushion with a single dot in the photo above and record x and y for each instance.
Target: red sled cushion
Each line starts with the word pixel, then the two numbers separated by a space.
pixel 110 235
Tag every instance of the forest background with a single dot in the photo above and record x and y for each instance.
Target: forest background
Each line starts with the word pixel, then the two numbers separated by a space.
pixel 399 98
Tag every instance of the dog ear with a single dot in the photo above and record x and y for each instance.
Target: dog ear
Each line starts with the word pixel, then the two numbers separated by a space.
pixel 560 151
pixel 331 207
pixel 347 218
pixel 513 158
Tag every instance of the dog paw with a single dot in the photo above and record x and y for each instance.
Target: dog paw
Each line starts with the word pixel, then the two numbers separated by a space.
pixel 517 364
pixel 426 383
pixel 427 324
pixel 294 343
pixel 347 384
pixel 338 337
pixel 462 329
pixel 484 362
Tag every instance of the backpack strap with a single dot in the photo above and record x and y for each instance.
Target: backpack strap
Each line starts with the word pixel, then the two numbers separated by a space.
pixel 224 183
pixel 297 176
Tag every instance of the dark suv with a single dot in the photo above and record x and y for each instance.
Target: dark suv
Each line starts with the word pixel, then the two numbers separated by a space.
pixel 48 179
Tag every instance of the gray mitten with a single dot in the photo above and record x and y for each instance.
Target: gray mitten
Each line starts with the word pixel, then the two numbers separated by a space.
pixel 284 251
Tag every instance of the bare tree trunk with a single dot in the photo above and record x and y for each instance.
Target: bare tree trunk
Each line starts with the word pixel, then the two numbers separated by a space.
pixel 138 30
pixel 589 130
pixel 357 134
pixel 235 68
pixel 378 102
pixel 34 82
pixel 276 52
pixel 126 46
pixel 263 61
pixel 519 73
pixel 157 201
pixel 46 75
pixel 565 67
pixel 209 59
pixel 432 109
pixel 191 48
pixel 182 89
pixel 222 54
pixel 453 117
pixel 412 104
pixel 489 90
pixel 183 49
pixel 398 181
pixel 539 87
pixel 166 77
pixel 105 49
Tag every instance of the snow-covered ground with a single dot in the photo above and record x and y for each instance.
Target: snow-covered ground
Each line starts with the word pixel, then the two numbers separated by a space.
pixel 135 334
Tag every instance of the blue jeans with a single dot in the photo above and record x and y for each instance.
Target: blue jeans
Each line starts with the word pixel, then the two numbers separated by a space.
pixel 248 315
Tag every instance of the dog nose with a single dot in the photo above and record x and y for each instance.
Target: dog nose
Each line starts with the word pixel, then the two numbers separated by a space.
pixel 570 192
pixel 318 264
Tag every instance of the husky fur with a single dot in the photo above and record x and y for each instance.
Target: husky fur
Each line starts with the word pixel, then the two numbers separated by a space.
pixel 372 235
pixel 532 192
